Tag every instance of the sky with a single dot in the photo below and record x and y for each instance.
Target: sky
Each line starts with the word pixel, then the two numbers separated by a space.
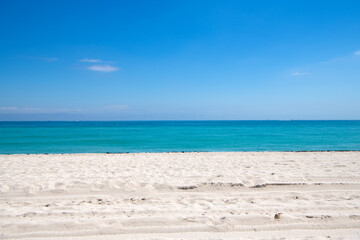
pixel 179 60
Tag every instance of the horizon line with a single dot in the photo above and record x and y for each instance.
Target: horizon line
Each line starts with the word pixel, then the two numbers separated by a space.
pixel 187 120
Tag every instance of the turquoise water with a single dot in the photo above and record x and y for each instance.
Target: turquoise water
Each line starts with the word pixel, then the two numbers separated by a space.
pixel 168 136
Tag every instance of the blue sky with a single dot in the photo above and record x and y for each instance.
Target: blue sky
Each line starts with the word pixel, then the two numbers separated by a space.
pixel 179 60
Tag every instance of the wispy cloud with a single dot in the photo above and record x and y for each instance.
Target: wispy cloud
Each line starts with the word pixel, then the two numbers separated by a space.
pixel 340 59
pixel 8 108
pixel 116 107
pixel 52 59
pixel 33 110
pixel 88 60
pixel 19 109
pixel 103 68
pixel 299 74
pixel 65 110
pixel 334 60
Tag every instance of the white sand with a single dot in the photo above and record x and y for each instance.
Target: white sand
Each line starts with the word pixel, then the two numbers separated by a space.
pixel 181 196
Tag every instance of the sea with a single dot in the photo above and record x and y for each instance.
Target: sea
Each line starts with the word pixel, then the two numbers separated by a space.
pixel 177 136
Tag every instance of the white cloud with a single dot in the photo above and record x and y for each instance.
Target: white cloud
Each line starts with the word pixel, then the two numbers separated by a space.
pixel 90 60
pixel 299 73
pixel 357 53
pixel 103 68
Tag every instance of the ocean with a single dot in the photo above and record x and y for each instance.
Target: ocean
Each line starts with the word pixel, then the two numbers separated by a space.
pixel 177 136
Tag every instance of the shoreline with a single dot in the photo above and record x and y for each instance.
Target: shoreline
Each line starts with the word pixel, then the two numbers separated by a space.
pixel 202 195
pixel 295 151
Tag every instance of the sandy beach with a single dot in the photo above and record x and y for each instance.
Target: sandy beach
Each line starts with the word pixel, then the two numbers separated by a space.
pixel 228 195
